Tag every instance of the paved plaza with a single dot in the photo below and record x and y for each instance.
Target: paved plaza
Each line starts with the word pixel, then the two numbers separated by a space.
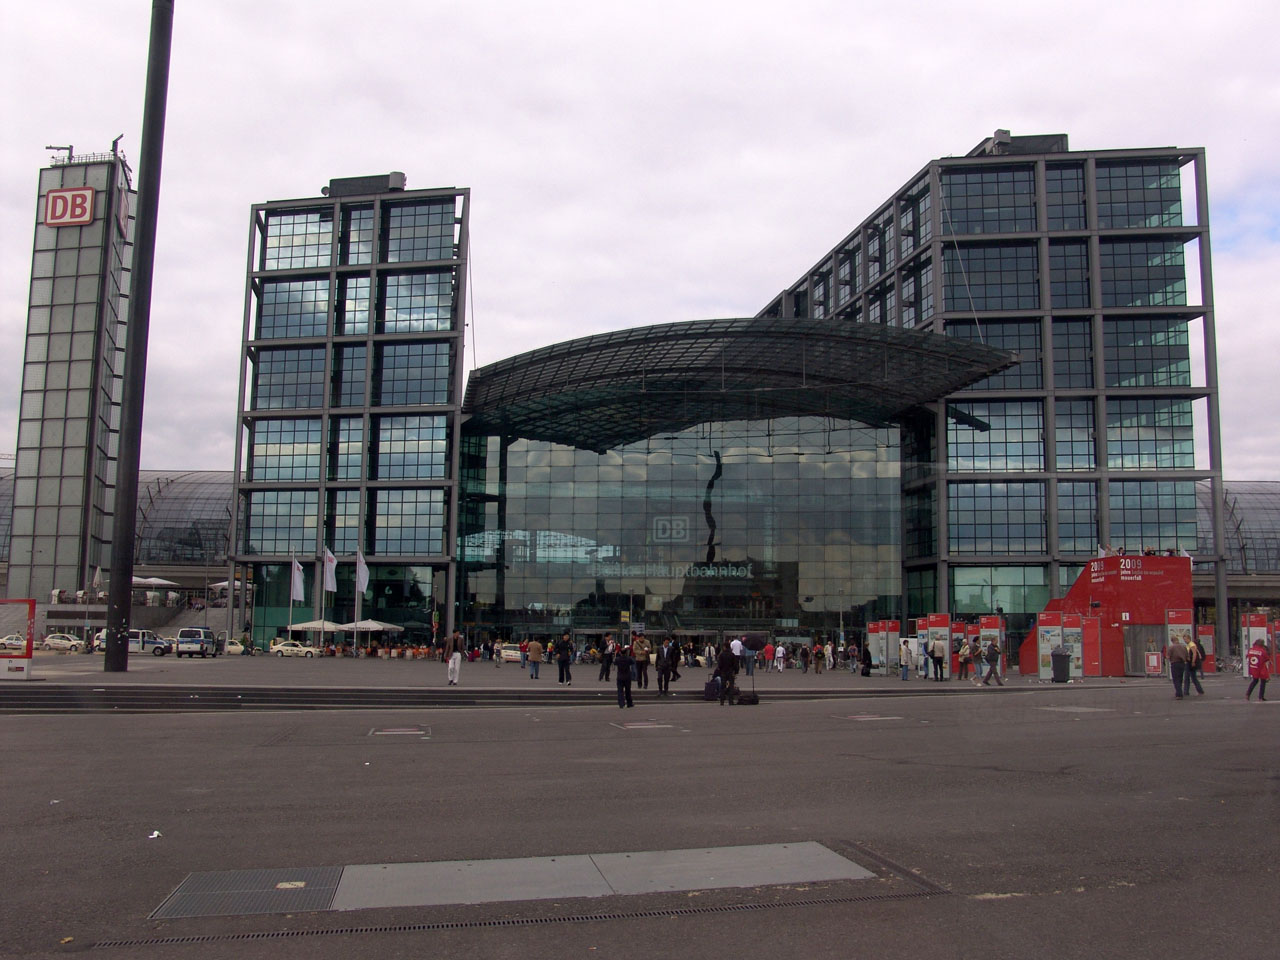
pixel 914 820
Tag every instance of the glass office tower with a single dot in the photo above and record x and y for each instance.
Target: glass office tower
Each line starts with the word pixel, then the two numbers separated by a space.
pixel 69 414
pixel 1094 267
pixel 349 402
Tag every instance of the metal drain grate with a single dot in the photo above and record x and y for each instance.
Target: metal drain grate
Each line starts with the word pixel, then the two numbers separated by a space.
pixel 244 892
pixel 518 921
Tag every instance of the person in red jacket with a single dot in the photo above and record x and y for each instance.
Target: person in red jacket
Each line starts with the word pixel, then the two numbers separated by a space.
pixel 1259 660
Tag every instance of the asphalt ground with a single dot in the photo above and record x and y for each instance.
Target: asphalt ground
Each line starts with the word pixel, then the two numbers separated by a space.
pixel 1095 820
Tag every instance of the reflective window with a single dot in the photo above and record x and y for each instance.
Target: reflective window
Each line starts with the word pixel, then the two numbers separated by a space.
pixel 989 201
pixel 920 522
pixel 408 522
pixel 917 294
pixel 351 312
pixel 1065 196
pixel 411 448
pixel 412 373
pixel 1072 354
pixel 357 235
pixel 342 522
pixel 1069 273
pixel 288 378
pixel 1017 336
pixel 915 223
pixel 1143 273
pixel 979 590
pixel 1077 517
pixel 346 448
pixel 418 231
pixel 1153 514
pixel 788 520
pixel 284 450
pixel 1074 445
pixel 881 252
pixel 414 302
pixel 992 278
pixel 1147 352
pixel 1007 436
pixel 297 240
pixel 293 308
pixel 280 521
pixel 1150 434
pixel 349 364
pixel 1139 194
pixel 996 518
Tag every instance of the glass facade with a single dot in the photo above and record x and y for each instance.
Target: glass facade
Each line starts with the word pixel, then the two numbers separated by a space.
pixel 997 518
pixel 330 467
pixel 990 201
pixel 730 525
pixel 72 368
pixel 982 278
pixel 1006 438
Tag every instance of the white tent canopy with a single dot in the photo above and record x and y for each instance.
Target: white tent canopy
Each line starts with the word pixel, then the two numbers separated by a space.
pixel 320 626
pixel 152 582
pixel 372 626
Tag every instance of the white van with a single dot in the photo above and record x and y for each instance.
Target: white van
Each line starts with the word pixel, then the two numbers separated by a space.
pixel 140 641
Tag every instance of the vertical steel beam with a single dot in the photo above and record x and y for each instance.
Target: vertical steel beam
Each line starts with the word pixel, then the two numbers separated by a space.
pixel 135 358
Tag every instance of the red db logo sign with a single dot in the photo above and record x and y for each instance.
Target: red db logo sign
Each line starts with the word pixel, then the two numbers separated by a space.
pixel 68 207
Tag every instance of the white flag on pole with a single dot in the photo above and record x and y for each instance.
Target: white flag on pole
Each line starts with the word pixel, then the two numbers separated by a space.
pixel 330 571
pixel 362 573
pixel 296 589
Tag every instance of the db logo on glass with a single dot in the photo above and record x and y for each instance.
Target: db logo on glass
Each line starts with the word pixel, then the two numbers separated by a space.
pixel 68 207
pixel 670 529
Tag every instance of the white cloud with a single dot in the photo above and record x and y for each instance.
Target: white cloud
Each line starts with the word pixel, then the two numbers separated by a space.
pixel 629 164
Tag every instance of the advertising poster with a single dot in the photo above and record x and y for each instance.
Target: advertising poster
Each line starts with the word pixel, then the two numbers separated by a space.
pixel 1073 640
pixel 875 641
pixel 1253 626
pixel 892 638
pixel 1204 635
pixel 1048 638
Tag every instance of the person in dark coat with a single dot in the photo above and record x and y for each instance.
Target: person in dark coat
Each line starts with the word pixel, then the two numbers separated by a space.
pixel 726 670
pixel 624 661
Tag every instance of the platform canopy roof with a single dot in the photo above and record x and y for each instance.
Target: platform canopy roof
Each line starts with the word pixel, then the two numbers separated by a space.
pixel 611 389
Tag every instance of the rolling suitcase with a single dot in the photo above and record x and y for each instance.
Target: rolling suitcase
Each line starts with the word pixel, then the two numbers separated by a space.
pixel 711 690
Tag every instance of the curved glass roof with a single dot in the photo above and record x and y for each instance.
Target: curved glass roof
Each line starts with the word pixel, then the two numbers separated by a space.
pixel 607 390
pixel 1250 522
pixel 184 516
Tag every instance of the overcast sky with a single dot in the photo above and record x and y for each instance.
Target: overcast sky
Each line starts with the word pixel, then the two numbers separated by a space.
pixel 629 163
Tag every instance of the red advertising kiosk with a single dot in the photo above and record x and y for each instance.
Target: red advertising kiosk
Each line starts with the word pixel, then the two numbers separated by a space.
pixel 1128 599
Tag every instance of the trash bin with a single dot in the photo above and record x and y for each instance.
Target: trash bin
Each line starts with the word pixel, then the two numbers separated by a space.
pixel 1061 658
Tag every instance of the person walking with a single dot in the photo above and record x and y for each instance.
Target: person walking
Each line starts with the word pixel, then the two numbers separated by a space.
pixel 608 652
pixel 453 645
pixel 1195 657
pixel 1258 660
pixel 564 657
pixel 993 663
pixel 966 658
pixel 1176 654
pixel 524 653
pixel 804 658
pixel 780 657
pixel 665 667
pixel 675 660
pixel 533 652
pixel 819 658
pixel 640 649
pixel 904 659
pixel 624 662
pixel 768 656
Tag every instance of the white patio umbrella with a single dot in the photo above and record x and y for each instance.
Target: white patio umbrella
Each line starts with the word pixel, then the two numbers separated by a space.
pixel 372 626
pixel 319 626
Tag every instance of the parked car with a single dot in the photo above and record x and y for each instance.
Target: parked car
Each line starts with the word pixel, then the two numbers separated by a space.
pixel 140 641
pixel 60 641
pixel 197 640
pixel 14 641
pixel 510 652
pixel 292 648
pixel 234 648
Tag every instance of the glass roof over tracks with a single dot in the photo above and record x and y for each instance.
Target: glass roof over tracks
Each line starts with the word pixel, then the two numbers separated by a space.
pixel 603 391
